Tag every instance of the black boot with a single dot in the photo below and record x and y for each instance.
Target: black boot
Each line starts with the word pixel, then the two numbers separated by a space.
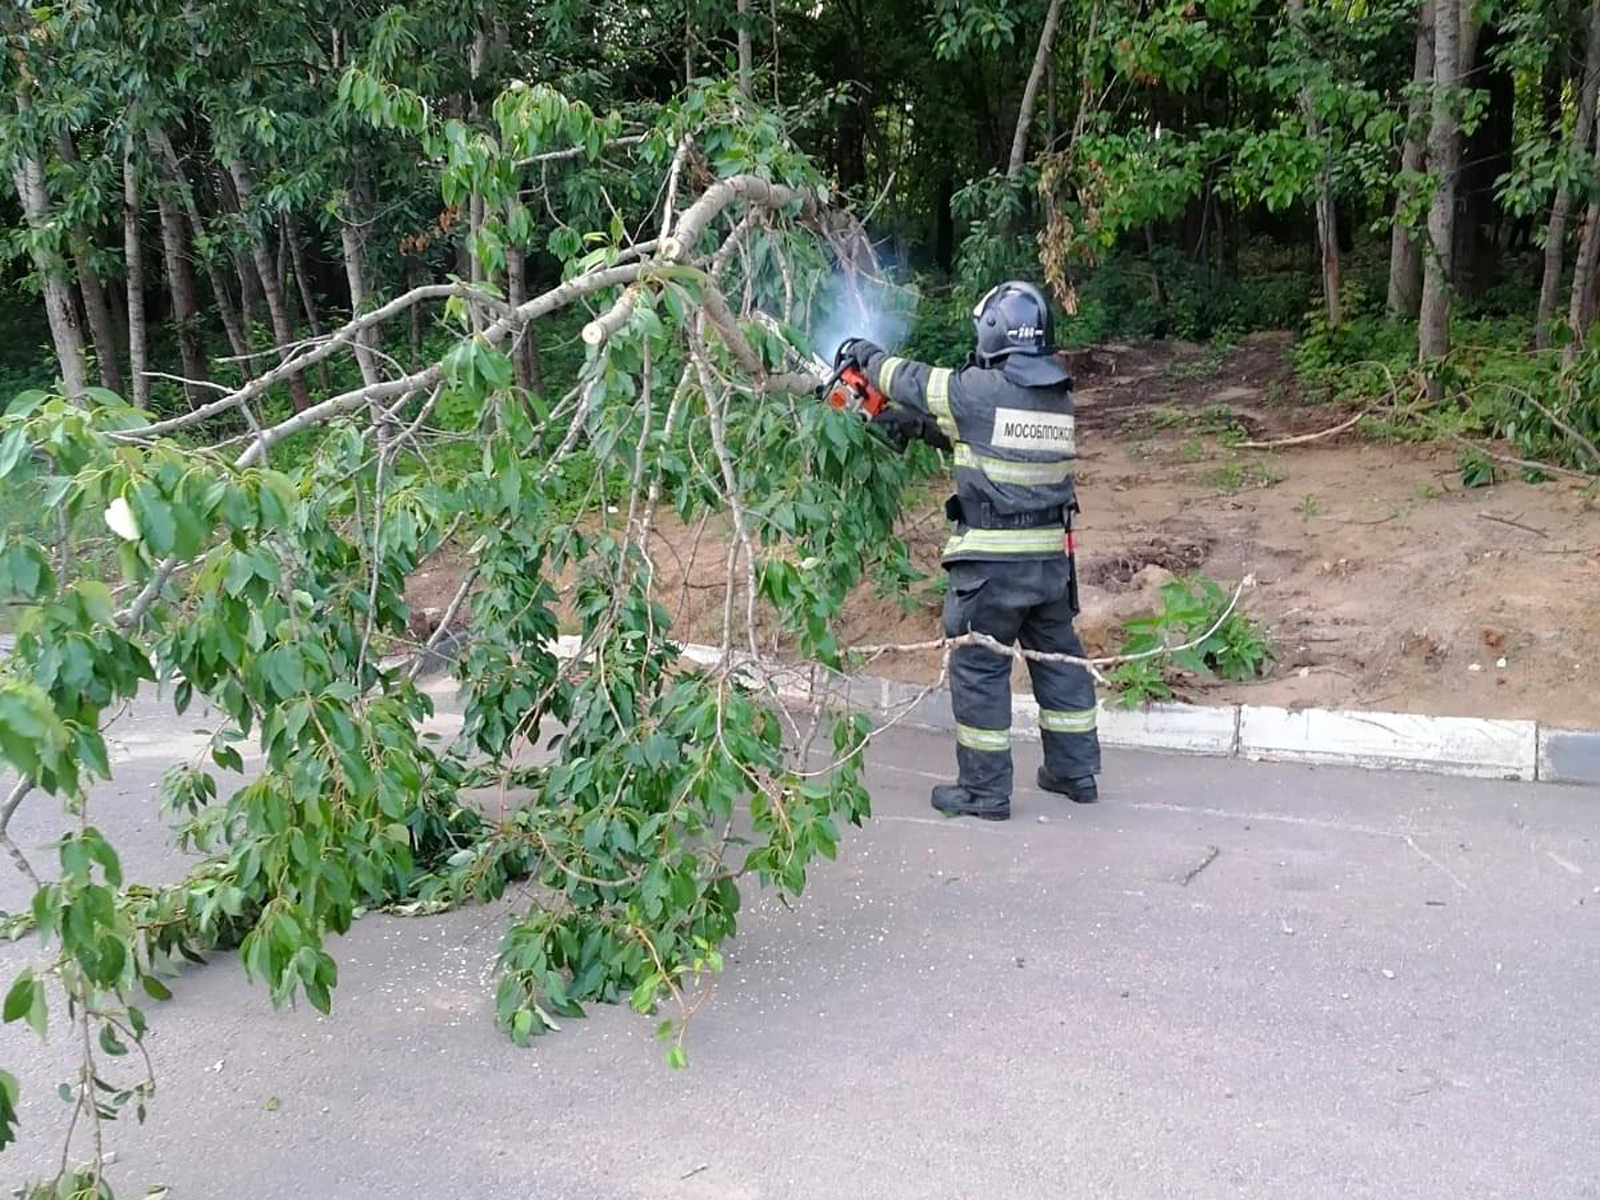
pixel 956 801
pixel 1080 791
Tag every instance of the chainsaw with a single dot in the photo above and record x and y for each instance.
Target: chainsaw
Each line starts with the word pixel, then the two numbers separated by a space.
pixel 848 388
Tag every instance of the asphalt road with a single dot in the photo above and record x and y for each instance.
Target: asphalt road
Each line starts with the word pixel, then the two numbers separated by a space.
pixel 1228 979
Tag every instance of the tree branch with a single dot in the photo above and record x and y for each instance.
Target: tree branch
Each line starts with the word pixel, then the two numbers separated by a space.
pixel 19 793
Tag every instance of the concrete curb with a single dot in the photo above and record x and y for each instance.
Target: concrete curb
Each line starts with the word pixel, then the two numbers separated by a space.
pixel 1569 755
pixel 1458 746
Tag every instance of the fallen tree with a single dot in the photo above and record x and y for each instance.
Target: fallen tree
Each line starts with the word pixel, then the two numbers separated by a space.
pixel 264 568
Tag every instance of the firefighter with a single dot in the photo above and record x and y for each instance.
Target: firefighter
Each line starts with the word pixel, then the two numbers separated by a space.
pixel 1006 418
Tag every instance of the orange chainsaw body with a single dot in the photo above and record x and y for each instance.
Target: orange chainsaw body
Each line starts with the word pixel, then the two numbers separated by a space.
pixel 852 390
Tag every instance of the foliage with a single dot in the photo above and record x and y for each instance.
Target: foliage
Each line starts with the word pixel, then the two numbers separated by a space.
pixel 1231 646
pixel 553 374
pixel 1544 410
pixel 277 594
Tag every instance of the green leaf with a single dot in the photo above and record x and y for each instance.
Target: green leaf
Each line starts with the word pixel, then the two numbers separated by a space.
pixel 155 988
pixel 26 1002
pixel 19 999
pixel 110 1043
pixel 493 367
pixel 102 852
pixel 12 447
pixel 154 515
pixel 8 1109
pixel 96 599
pixel 25 402
pixel 92 752
pixel 25 571
pixel 276 499
pixel 227 757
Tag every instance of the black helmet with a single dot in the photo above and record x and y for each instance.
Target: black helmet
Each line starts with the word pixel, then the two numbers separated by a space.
pixel 1014 333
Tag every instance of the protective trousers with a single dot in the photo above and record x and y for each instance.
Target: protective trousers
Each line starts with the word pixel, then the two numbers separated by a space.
pixel 1030 601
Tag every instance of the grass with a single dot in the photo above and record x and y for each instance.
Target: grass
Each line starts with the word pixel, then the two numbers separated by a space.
pixel 1220 421
pixel 1204 365
pixel 1240 476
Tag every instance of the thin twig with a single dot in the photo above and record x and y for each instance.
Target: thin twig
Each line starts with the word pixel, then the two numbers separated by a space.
pixel 1524 463
pixel 669 205
pixel 1018 652
pixel 19 793
pixel 1193 872
pixel 1302 439
pixel 1514 524
pixel 551 156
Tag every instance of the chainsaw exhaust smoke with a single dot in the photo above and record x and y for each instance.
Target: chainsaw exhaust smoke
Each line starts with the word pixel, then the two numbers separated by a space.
pixel 851 306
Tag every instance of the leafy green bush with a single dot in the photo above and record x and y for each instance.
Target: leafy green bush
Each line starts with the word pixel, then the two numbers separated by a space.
pixel 1167 294
pixel 992 208
pixel 942 332
pixel 1498 387
pixel 1232 647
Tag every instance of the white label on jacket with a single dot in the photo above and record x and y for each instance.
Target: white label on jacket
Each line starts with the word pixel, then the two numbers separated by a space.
pixel 1019 429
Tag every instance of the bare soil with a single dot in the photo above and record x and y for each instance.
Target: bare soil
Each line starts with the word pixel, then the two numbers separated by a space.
pixel 1382 581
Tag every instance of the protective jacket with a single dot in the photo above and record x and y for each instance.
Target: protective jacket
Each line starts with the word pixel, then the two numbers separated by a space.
pixel 1012 446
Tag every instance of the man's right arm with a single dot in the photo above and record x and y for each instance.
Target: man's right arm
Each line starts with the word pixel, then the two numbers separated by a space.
pixel 922 388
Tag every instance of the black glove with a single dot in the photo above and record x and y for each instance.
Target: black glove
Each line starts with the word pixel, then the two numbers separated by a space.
pixel 854 352
pixel 901 426
pixel 898 426
pixel 933 435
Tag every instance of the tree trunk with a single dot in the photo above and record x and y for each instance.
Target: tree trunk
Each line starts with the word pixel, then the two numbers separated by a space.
pixel 1405 252
pixel 28 176
pixel 414 279
pixel 302 274
pixel 1581 311
pixel 524 355
pixel 238 335
pixel 282 323
pixel 1561 210
pixel 1030 92
pixel 475 217
pixel 777 96
pixel 688 43
pixel 102 330
pixel 133 260
pixel 355 271
pixel 185 308
pixel 1327 217
pixel 1444 153
pixel 746 83
pixel 252 301
pixel 282 278
pixel 302 280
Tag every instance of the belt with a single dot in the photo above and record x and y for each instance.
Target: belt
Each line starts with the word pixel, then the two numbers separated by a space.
pixel 983 516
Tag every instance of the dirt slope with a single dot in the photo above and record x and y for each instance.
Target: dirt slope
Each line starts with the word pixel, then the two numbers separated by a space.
pixel 1384 582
